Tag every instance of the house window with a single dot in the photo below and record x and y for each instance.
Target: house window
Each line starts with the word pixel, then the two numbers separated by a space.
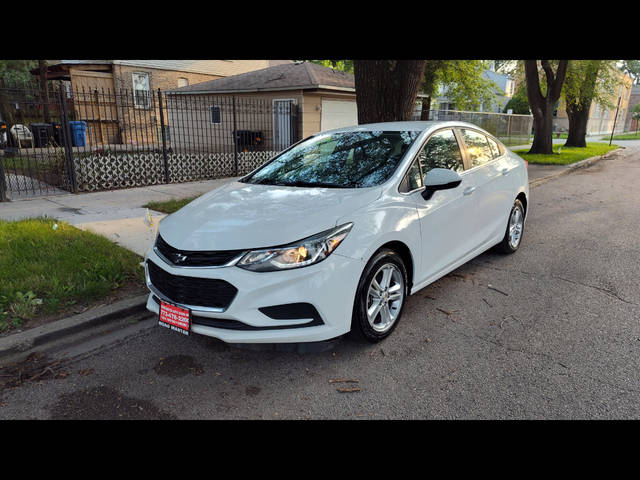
pixel 183 82
pixel 141 90
pixel 216 115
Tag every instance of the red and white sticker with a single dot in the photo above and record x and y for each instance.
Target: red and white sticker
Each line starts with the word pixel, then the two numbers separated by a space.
pixel 175 318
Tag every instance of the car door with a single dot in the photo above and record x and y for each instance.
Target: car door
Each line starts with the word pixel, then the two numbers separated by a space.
pixel 444 222
pixel 484 186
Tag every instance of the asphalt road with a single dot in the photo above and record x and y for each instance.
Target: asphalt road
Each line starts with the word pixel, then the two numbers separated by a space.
pixel 551 332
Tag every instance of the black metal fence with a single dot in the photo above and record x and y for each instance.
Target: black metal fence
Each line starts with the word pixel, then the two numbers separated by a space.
pixel 77 139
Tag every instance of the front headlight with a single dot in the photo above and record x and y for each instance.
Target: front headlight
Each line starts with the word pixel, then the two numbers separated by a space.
pixel 306 252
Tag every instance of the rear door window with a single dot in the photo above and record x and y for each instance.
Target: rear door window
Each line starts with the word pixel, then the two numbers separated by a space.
pixel 478 148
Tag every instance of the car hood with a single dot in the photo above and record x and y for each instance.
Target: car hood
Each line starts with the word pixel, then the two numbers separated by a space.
pixel 246 216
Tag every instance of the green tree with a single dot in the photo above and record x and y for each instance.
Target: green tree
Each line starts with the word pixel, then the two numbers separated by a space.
pixel 342 65
pixel 519 103
pixel 12 71
pixel 462 81
pixel 587 81
pixel 632 67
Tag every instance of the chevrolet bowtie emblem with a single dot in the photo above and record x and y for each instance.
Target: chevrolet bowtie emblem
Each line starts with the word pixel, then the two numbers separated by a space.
pixel 179 258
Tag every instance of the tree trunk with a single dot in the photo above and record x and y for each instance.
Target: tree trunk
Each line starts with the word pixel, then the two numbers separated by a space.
pixel 44 91
pixel 578 104
pixel 578 118
pixel 426 108
pixel 386 90
pixel 542 107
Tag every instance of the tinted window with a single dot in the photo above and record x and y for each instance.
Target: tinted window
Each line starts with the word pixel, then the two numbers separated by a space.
pixel 478 147
pixel 495 148
pixel 346 159
pixel 441 151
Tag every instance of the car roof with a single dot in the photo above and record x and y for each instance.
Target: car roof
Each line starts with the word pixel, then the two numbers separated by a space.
pixel 408 126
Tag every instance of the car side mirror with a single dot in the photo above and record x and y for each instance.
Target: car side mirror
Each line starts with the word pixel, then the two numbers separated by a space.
pixel 440 179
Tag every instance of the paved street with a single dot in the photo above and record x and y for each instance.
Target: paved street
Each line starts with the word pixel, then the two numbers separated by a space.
pixel 551 332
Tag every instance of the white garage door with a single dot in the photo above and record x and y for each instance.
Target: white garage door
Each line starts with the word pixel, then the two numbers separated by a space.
pixel 338 113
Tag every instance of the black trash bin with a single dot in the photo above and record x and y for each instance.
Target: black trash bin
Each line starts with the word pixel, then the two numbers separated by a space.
pixel 3 134
pixel 248 140
pixel 58 134
pixel 42 134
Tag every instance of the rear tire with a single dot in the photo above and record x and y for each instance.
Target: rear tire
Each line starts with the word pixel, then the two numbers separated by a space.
pixel 380 297
pixel 515 229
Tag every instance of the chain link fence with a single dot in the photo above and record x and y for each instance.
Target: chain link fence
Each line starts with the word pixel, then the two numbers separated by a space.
pixel 510 129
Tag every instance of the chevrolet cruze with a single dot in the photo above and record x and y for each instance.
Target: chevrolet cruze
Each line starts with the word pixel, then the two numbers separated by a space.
pixel 333 234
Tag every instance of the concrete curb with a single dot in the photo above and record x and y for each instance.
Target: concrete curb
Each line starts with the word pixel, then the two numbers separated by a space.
pixel 22 343
pixel 566 169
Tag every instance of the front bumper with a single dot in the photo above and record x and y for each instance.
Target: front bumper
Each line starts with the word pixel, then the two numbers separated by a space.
pixel 306 304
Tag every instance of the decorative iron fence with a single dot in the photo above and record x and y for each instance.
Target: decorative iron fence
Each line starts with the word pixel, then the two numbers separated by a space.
pixel 74 140
pixel 510 129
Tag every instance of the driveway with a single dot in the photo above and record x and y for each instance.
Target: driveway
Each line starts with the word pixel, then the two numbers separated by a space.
pixel 551 332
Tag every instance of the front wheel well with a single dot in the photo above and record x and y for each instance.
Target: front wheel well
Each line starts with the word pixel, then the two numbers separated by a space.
pixel 523 198
pixel 405 254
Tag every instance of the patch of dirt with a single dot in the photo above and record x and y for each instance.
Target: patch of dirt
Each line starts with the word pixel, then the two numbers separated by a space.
pixel 178 366
pixel 36 367
pixel 105 403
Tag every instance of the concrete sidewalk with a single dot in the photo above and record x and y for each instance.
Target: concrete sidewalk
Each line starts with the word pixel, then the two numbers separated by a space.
pixel 117 214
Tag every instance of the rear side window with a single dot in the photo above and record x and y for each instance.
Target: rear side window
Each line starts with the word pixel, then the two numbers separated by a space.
pixel 441 151
pixel 495 148
pixel 478 147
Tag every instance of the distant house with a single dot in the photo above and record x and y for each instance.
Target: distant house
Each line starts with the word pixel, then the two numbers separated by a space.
pixel 504 90
pixel 100 87
pixel 601 119
pixel 323 98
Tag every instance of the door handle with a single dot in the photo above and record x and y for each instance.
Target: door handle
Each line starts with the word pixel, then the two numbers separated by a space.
pixel 469 190
pixel 505 171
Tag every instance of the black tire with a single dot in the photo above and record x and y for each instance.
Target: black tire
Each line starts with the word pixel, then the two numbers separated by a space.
pixel 361 328
pixel 506 245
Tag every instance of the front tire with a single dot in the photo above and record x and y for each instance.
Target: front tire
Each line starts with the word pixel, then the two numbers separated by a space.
pixel 515 228
pixel 380 297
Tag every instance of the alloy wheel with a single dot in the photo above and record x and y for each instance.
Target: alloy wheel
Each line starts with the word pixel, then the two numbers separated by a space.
pixel 385 297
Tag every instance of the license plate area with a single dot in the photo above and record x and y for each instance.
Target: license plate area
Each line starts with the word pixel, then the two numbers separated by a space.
pixel 175 318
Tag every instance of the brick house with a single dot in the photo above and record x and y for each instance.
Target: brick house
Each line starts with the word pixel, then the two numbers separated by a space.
pixel 108 93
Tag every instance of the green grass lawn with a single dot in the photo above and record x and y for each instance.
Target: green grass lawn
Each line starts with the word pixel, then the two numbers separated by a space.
pixel 566 155
pixel 169 206
pixel 46 270
pixel 625 136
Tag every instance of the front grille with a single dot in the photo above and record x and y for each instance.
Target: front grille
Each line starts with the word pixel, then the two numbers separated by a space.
pixel 202 292
pixel 195 258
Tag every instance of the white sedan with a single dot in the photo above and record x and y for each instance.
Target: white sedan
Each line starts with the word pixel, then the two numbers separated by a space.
pixel 333 234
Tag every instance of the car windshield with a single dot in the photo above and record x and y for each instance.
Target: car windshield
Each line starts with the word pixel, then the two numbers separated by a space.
pixel 339 160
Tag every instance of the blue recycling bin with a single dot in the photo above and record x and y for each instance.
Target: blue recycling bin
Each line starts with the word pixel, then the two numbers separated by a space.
pixel 78 133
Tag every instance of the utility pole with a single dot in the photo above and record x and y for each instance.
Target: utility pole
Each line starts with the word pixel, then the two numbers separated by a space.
pixel 614 121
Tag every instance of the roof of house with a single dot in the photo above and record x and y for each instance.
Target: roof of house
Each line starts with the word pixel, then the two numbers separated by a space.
pixel 291 76
pixel 209 67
